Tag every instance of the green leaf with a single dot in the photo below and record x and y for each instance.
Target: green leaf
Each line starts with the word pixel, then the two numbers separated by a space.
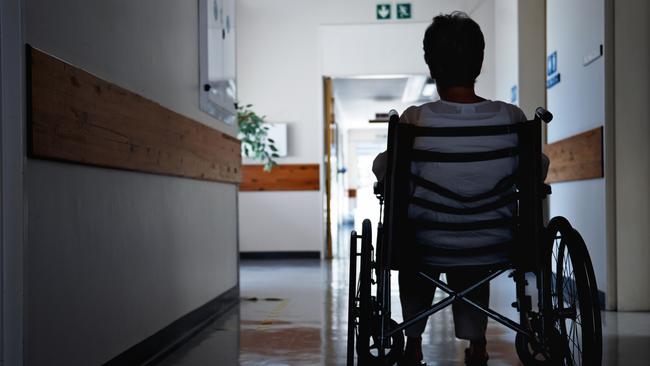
pixel 253 133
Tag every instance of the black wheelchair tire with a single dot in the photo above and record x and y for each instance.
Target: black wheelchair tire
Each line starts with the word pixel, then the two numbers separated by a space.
pixel 364 291
pixel 573 285
pixel 395 350
pixel 527 353
pixel 531 354
pixel 595 302
pixel 352 299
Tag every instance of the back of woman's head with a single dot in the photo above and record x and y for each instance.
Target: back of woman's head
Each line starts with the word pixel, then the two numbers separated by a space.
pixel 453 49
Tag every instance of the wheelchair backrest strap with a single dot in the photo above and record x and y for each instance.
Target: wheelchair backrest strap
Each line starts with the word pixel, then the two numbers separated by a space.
pixel 501 202
pixel 440 157
pixel 463 226
pixel 420 131
pixel 502 186
pixel 463 251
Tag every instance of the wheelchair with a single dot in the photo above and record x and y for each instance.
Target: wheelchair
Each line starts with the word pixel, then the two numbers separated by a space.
pixel 563 328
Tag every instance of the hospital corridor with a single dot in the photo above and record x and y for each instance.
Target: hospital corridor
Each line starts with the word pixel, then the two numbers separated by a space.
pixel 325 182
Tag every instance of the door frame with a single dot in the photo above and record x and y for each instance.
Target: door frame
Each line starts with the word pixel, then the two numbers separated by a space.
pixel 328 121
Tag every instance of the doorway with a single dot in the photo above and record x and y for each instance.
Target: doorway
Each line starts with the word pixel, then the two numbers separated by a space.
pixel 356 129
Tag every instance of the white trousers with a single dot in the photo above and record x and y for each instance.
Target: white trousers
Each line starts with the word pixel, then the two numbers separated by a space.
pixel 416 294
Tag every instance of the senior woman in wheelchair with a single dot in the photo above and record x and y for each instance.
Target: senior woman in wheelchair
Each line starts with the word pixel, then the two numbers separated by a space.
pixel 453 50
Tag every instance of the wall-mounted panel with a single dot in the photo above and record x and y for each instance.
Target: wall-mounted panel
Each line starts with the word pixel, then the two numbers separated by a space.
pixel 285 177
pixel 77 117
pixel 576 158
pixel 218 93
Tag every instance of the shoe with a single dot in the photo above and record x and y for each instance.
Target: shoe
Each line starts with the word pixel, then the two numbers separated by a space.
pixel 473 358
pixel 412 353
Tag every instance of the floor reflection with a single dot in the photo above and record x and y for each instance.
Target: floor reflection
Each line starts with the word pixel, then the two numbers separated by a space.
pixel 294 312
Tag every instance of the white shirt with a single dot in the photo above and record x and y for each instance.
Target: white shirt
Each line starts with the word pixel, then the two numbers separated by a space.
pixel 466 179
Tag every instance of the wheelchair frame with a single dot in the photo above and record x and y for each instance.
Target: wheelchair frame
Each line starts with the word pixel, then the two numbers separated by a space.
pixel 542 337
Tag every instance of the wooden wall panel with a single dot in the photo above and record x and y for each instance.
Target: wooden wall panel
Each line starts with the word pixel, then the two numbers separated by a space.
pixel 77 117
pixel 577 157
pixel 284 177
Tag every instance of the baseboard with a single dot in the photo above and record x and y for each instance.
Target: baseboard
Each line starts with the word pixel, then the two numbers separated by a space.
pixel 281 255
pixel 170 338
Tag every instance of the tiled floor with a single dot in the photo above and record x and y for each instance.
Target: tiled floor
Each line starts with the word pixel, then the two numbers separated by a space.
pixel 294 313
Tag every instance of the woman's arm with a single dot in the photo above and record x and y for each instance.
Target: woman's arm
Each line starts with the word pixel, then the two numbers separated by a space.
pixel 410 116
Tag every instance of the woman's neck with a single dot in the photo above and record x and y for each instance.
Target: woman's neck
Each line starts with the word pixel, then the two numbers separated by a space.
pixel 459 94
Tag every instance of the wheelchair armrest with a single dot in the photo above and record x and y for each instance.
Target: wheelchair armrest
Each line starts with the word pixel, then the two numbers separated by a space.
pixel 378 189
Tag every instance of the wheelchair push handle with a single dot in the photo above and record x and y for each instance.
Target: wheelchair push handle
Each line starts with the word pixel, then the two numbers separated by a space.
pixel 543 115
pixel 393 116
pixel 378 188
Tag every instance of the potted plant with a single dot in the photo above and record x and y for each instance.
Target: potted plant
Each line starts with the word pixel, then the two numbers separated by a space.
pixel 253 133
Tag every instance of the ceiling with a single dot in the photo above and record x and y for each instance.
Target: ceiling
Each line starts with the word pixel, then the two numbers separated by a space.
pixel 358 99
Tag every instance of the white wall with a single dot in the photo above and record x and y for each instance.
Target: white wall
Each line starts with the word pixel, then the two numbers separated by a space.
pixel 281 221
pixel 484 15
pixel 394 48
pixel 631 111
pixel 284 49
pixel 114 256
pixel 506 60
pixel 149 47
pixel 574 29
pixel 277 72
pixel 531 49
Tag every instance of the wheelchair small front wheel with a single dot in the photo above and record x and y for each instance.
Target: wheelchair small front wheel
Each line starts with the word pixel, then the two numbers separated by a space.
pixel 531 353
pixel 393 351
pixel 571 297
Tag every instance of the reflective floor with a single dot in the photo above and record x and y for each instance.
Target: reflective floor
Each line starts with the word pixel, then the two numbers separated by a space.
pixel 294 312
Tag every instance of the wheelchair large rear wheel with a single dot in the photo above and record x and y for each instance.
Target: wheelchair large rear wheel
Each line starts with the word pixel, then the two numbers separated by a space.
pixel 364 289
pixel 572 294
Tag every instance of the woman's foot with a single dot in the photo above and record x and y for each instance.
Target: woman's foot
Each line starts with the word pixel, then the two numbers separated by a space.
pixel 413 352
pixel 476 354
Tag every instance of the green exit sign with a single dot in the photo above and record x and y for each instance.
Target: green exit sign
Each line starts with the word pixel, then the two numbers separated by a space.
pixel 383 11
pixel 403 11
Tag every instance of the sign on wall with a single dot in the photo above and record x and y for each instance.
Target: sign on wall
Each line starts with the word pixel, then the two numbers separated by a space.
pixel 403 11
pixel 383 11
pixel 551 70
